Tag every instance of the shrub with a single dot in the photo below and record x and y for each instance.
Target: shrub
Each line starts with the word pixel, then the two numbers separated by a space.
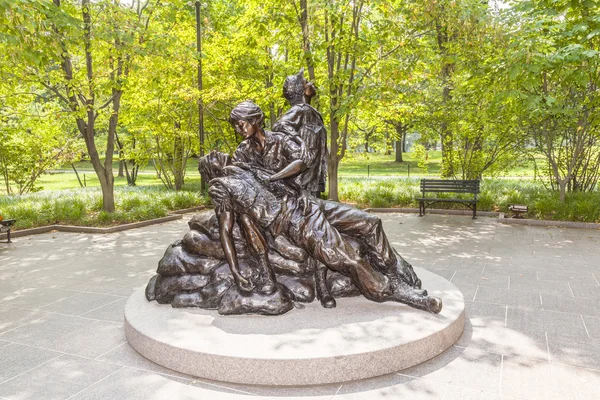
pixel 495 195
pixel 83 206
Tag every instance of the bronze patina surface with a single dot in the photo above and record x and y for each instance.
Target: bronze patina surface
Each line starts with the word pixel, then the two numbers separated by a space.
pixel 271 241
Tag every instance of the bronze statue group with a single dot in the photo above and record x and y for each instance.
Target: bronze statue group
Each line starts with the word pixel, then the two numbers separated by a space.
pixel 271 241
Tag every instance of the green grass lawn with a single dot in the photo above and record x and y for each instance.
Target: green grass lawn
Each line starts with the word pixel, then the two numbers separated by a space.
pixel 374 164
pixel 68 180
pixel 355 165
pixel 367 180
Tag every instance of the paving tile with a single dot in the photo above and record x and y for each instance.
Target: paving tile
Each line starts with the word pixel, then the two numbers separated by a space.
pixel 534 379
pixel 392 386
pixel 11 318
pixel 444 273
pixel 462 393
pixel 592 325
pixel 570 305
pixel 589 256
pixel 34 297
pixel 126 356
pixel 482 314
pixel 577 352
pixel 566 276
pixel 472 368
pixel 556 324
pixel 110 312
pixel 47 330
pixel 17 359
pixel 513 298
pixel 124 291
pixel 94 340
pixel 132 384
pixel 441 265
pixel 586 291
pixel 532 284
pixel 584 267
pixel 80 304
pixel 497 339
pixel 57 379
pixel 467 290
pixel 101 284
pixel 326 391
pixel 484 280
pixel 510 269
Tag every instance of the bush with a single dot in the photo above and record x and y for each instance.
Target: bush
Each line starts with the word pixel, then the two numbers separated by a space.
pixel 83 206
pixel 496 195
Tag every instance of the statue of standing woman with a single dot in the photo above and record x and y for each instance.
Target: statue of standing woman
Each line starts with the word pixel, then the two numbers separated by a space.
pixel 306 122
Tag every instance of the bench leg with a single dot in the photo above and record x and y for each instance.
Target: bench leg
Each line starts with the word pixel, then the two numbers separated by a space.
pixel 421 209
pixel 475 211
pixel 8 237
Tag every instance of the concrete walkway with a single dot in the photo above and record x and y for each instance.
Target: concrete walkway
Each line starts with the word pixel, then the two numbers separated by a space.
pixel 533 308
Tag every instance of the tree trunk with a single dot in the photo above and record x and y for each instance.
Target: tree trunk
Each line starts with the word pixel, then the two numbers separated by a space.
pixel 306 39
pixel 443 39
pixel 178 160
pixel 388 150
pixel 332 175
pixel 121 162
pixel 401 130
pixel 268 85
pixel 332 162
pixel 5 174
pixel 399 149
pixel 108 193
pixel 77 174
pixel 562 186
pixel 201 137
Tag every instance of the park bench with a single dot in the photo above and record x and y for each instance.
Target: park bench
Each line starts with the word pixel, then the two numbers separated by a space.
pixel 5 225
pixel 448 186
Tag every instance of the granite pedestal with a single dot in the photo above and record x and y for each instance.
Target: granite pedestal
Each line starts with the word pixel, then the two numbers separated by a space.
pixel 309 346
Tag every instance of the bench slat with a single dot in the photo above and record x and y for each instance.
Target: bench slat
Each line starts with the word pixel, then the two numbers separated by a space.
pixel 453 185
pixel 449 189
pixel 447 200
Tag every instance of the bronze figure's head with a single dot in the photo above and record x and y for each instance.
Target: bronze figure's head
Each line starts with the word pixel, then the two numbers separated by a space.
pixel 293 88
pixel 247 119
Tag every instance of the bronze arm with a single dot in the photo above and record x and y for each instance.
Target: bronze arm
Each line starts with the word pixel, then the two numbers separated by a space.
pixel 293 169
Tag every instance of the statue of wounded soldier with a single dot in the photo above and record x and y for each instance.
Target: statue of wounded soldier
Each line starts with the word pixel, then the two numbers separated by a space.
pixel 258 251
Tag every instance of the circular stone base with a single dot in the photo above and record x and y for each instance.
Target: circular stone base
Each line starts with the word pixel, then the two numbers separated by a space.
pixel 357 339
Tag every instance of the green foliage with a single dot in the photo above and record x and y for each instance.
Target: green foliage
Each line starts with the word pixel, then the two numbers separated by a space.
pixel 491 86
pixel 422 156
pixel 34 137
pixel 554 68
pixel 84 206
pixel 496 195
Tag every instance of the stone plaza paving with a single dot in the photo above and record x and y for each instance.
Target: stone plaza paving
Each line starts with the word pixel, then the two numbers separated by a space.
pixel 532 299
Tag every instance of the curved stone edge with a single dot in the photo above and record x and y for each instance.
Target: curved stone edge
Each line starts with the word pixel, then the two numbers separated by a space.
pixel 295 372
